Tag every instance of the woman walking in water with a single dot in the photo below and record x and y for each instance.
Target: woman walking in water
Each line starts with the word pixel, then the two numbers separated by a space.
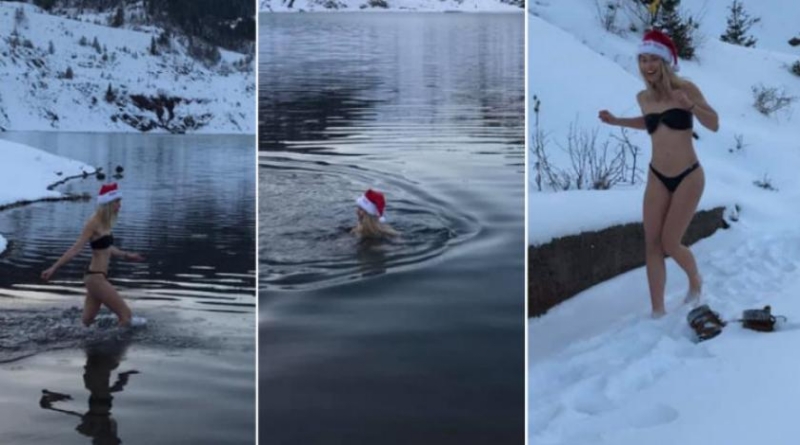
pixel 97 232
pixel 676 180
pixel 371 217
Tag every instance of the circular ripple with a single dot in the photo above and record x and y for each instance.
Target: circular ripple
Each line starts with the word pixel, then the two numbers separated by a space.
pixel 307 209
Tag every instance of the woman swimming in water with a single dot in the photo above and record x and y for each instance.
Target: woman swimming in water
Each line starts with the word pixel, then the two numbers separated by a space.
pixel 371 217
pixel 676 180
pixel 97 232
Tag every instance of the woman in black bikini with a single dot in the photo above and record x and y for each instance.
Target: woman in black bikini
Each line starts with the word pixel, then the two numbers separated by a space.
pixel 676 179
pixel 97 232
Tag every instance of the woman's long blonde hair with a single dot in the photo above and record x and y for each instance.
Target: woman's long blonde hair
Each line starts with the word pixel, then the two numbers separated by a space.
pixel 371 227
pixel 106 215
pixel 662 90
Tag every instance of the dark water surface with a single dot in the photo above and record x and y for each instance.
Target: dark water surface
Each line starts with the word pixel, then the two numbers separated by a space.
pixel 189 207
pixel 414 340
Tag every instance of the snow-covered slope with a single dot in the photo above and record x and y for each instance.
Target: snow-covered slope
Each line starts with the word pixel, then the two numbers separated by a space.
pixel 391 5
pixel 603 372
pixel 170 91
pixel 26 172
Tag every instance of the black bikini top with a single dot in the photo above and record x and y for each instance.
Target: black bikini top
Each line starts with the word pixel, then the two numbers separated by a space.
pixel 675 118
pixel 104 242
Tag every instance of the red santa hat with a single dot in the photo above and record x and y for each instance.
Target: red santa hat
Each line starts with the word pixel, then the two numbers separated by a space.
pixel 659 44
pixel 108 193
pixel 374 203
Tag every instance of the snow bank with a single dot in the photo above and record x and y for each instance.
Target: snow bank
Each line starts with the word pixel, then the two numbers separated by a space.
pixel 392 5
pixel 26 172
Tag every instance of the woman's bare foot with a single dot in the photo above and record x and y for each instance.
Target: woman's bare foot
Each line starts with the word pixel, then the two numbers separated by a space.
pixel 695 290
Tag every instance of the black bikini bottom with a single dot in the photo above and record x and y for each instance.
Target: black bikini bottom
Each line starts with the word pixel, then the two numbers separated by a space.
pixel 96 272
pixel 672 183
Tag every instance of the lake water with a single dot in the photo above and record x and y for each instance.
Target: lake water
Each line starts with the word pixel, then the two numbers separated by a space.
pixel 189 207
pixel 415 340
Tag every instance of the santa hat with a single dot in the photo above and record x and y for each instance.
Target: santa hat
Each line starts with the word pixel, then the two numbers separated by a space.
pixel 659 44
pixel 108 193
pixel 373 203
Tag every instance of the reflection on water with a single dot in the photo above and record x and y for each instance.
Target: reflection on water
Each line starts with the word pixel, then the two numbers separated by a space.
pixel 98 423
pixel 412 340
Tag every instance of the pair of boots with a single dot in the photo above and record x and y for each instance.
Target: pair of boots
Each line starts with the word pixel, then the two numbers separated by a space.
pixel 707 324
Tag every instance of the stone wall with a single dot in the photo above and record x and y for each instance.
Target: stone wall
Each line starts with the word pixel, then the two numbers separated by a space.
pixel 566 266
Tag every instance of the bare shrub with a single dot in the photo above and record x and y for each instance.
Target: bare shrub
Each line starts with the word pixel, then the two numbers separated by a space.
pixel 768 100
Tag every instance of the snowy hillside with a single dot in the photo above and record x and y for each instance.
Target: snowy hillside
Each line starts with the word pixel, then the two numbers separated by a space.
pixel 70 75
pixel 568 45
pixel 391 5
pixel 26 172
pixel 601 371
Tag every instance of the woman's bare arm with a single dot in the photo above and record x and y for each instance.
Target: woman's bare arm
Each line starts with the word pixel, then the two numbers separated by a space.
pixel 84 237
pixel 630 122
pixel 636 123
pixel 125 255
pixel 704 112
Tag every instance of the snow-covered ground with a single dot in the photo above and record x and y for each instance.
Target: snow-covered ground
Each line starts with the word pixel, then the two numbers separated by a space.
pixel 35 95
pixel 391 5
pixel 26 172
pixel 601 371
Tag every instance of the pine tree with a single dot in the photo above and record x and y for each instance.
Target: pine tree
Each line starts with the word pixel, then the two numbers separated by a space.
pixel 739 23
pixel 51 48
pixel 119 17
pixel 96 46
pixel 682 30
pixel 110 95
pixel 19 17
pixel 69 74
pixel 153 47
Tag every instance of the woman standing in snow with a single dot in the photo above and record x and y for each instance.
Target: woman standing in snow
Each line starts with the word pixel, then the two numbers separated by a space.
pixel 676 180
pixel 97 232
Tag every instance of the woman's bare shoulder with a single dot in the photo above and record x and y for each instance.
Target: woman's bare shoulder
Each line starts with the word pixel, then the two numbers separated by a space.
pixel 642 97
pixel 92 223
pixel 689 86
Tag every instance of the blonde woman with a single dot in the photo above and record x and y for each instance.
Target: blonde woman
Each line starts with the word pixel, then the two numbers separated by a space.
pixel 675 179
pixel 97 232
pixel 371 217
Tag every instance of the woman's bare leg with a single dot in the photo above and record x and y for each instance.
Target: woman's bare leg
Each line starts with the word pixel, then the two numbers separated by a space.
pixel 101 289
pixel 680 214
pixel 91 306
pixel 656 204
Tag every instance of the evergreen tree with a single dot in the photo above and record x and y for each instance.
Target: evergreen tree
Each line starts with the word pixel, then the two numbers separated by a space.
pixel 739 23
pixel 110 95
pixel 682 30
pixel 153 47
pixel 119 17
pixel 96 45
pixel 45 4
